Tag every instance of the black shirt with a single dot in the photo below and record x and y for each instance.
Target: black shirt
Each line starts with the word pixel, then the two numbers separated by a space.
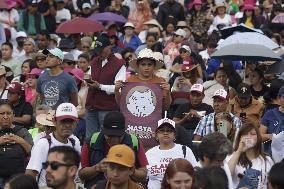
pixel 257 94
pixel 185 108
pixel 24 108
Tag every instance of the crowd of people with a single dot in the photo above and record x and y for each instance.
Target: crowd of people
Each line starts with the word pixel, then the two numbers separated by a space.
pixel 60 93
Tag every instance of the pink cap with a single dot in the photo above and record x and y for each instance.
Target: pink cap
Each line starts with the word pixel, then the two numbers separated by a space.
pixel 221 93
pixel 197 88
pixel 35 71
pixel 78 73
pixel 248 7
pixel 197 2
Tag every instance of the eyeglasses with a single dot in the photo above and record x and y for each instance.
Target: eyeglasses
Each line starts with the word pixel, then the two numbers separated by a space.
pixel 54 165
pixel 40 59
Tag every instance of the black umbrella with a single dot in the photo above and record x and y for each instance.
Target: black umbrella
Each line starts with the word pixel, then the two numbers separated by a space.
pixel 276 68
pixel 228 31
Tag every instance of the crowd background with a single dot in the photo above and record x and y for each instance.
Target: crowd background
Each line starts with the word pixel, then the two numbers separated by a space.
pixel 169 42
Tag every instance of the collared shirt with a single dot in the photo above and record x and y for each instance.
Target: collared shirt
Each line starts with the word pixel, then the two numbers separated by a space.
pixel 206 124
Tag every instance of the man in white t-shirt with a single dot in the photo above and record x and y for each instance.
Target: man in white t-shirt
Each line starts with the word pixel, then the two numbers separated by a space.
pixel 66 118
pixel 213 150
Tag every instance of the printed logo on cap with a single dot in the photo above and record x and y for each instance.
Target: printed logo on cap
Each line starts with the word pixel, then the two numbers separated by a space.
pixel 244 89
pixel 66 109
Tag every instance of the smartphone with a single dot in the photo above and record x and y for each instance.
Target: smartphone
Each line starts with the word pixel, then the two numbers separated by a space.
pixel 89 81
pixel 243 114
pixel 249 142
pixel 223 128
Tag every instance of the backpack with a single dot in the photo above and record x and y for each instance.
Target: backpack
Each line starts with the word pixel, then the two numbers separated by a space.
pixel 133 139
pixel 12 156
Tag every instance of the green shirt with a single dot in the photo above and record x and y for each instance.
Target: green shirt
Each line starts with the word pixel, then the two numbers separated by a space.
pixel 31 28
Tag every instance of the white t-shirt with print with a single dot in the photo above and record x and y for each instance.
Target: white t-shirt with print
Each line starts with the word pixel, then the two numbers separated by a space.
pixel 40 151
pixel 258 164
pixel 158 161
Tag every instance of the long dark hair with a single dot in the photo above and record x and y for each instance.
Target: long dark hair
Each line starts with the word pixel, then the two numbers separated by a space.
pixel 32 65
pixel 176 165
pixel 246 128
pixel 253 19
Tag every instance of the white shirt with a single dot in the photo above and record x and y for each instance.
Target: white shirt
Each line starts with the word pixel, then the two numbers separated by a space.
pixel 227 21
pixel 40 151
pixel 121 75
pixel 258 164
pixel 158 161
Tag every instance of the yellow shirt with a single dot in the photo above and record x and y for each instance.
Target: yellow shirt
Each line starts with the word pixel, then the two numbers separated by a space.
pixel 249 23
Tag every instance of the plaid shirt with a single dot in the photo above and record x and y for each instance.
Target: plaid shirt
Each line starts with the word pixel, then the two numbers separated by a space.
pixel 206 124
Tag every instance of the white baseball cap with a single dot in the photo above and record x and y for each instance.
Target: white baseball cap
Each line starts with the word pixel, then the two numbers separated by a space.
pixel 129 24
pixel 166 121
pixel 21 34
pixel 221 93
pixel 180 32
pixel 197 88
pixel 66 111
pixel 86 5
pixel 187 48
pixel 56 52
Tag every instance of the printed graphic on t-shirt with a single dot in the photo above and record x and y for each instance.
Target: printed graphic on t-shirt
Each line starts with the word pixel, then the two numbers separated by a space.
pixel 159 169
pixel 51 93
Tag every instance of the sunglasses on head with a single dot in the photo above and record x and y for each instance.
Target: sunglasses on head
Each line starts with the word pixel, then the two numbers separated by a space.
pixel 54 165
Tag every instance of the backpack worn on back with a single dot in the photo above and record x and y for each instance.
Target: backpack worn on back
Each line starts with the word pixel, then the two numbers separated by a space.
pixel 12 156
pixel 133 139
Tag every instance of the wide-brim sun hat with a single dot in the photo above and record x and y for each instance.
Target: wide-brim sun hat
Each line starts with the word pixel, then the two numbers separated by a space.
pixel 155 23
pixel 220 4
pixel 182 68
pixel 145 54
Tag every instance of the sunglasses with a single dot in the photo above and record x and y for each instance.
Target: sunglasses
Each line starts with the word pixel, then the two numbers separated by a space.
pixel 182 51
pixel 40 59
pixel 54 165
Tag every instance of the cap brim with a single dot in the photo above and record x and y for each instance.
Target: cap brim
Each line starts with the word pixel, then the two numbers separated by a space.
pixel 117 162
pixel 46 52
pixel 111 132
pixel 216 96
pixel 166 124
pixel 133 63
pixel 244 95
pixel 196 91
pixel 60 118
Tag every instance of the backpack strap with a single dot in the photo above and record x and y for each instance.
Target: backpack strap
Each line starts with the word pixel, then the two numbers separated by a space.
pixel 134 142
pixel 72 142
pixel 17 128
pixel 184 150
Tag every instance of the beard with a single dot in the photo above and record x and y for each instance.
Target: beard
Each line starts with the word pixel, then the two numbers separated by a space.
pixel 53 182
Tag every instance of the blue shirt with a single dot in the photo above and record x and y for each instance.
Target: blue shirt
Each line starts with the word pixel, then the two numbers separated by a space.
pixel 272 121
pixel 134 42
pixel 56 89
pixel 214 64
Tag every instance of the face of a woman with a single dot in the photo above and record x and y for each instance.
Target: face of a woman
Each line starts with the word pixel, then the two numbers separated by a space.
pixel 197 7
pixel 150 41
pixel 146 68
pixel 221 78
pixel 251 135
pixel 83 64
pixel 25 68
pixel 254 78
pixel 248 13
pixel 165 135
pixel 170 28
pixel 6 116
pixel 181 180
pixel 221 10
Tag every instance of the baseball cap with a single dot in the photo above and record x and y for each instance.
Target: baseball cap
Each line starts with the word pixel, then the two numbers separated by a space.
pixel 69 57
pixel 243 91
pixel 186 47
pixel 221 93
pixel 45 119
pixel 114 124
pixel 21 34
pixel 86 5
pixel 166 121
pixel 122 155
pixel 2 70
pixel 129 24
pixel 281 92
pixel 197 88
pixel 180 32
pixel 101 42
pixel 66 111
pixel 35 71
pixel 56 52
pixel 15 87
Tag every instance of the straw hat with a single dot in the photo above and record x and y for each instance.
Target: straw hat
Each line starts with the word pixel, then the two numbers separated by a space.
pixel 145 54
pixel 181 68
pixel 155 23
pixel 45 119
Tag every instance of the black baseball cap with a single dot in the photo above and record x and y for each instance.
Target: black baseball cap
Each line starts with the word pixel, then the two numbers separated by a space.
pixel 243 91
pixel 114 124
pixel 102 41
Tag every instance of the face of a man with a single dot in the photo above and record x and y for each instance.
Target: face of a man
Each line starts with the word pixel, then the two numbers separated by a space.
pixel 51 61
pixel 64 172
pixel 28 47
pixel 244 102
pixel 118 174
pixel 64 128
pixel 6 52
pixel 196 98
pixel 220 105
pixel 6 116
pixel 42 42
